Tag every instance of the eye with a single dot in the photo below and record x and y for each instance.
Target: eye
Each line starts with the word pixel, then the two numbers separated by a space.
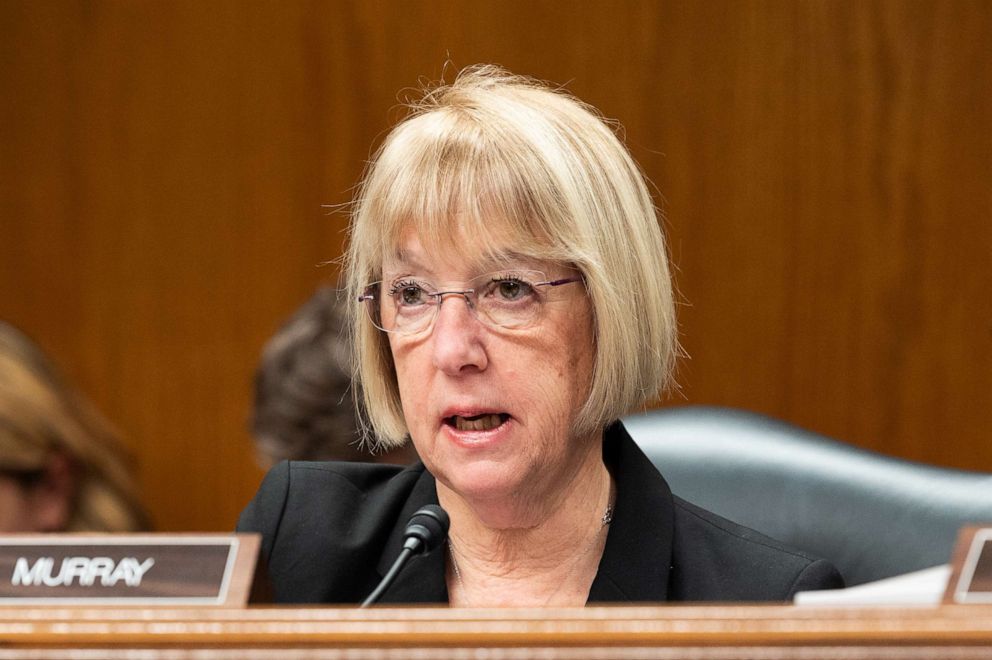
pixel 409 293
pixel 511 288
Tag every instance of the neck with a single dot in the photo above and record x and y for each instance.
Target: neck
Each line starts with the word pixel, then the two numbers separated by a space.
pixel 545 553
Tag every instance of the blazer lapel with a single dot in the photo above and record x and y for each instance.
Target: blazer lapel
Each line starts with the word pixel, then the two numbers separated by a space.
pixel 422 580
pixel 638 555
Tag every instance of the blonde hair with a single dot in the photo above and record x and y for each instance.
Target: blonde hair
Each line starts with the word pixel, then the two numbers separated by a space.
pixel 561 187
pixel 40 415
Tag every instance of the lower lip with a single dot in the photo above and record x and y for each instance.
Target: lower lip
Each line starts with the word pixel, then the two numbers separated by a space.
pixel 478 439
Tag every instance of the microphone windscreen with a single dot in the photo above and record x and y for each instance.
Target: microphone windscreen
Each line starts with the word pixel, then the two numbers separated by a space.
pixel 429 524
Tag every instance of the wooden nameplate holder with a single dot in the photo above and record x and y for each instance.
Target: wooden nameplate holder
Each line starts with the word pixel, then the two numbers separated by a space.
pixel 131 569
pixel 971 573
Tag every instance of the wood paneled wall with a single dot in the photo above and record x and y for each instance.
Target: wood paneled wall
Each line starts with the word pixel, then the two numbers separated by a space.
pixel 825 168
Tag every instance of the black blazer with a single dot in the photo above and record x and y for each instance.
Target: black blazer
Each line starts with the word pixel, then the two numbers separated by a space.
pixel 331 530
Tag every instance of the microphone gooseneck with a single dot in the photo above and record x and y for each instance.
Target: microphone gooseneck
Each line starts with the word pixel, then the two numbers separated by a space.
pixel 426 530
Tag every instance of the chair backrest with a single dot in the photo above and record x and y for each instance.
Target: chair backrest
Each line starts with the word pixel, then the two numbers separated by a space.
pixel 873 516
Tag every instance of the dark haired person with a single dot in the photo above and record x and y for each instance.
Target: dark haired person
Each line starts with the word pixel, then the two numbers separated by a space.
pixel 303 405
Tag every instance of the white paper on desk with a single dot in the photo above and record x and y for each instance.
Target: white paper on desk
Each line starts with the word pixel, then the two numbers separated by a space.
pixel 924 587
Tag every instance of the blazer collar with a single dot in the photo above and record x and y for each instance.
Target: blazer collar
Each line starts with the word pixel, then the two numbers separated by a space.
pixel 638 555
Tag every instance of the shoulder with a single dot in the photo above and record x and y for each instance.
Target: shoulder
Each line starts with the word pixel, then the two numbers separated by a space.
pixel 323 524
pixel 294 488
pixel 715 559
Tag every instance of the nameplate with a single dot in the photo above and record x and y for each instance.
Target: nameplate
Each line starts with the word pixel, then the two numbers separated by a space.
pixel 971 576
pixel 128 569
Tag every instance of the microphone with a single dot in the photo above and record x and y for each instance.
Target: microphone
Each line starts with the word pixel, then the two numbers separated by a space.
pixel 426 530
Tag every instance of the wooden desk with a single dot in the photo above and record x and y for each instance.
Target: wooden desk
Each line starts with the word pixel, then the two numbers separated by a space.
pixel 712 632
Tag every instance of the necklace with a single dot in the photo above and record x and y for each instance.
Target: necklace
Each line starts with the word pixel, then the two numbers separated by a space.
pixel 604 522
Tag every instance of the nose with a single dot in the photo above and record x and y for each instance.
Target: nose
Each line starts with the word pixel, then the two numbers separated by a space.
pixel 457 337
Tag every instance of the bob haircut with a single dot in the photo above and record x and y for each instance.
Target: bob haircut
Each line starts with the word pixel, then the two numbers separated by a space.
pixel 531 171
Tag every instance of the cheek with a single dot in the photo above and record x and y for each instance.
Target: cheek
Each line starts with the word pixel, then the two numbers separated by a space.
pixel 412 376
pixel 580 352
pixel 403 366
pixel 558 374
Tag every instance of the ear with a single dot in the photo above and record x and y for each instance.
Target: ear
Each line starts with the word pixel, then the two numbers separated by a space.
pixel 51 499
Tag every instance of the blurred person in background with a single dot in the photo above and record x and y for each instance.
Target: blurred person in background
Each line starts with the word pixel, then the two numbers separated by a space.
pixel 303 405
pixel 62 466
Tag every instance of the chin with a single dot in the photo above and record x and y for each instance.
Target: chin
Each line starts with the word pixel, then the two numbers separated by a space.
pixel 487 483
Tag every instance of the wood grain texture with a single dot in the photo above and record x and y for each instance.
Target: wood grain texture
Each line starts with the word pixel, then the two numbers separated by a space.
pixel 825 167
pixel 605 633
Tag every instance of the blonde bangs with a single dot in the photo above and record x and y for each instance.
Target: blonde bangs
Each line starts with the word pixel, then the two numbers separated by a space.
pixel 445 182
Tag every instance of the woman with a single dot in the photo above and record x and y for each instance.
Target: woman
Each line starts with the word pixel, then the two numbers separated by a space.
pixel 517 302
pixel 62 467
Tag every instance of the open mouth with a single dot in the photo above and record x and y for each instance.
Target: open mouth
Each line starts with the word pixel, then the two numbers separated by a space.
pixel 485 422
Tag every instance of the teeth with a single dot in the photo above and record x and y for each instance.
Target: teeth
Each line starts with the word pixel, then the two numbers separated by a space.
pixel 479 423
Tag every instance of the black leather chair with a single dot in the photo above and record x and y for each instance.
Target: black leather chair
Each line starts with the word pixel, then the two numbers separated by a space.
pixel 873 516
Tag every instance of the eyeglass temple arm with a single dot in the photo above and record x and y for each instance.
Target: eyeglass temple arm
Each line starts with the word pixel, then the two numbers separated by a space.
pixel 370 292
pixel 566 280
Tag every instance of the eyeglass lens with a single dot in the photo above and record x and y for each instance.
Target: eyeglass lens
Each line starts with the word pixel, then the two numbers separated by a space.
pixel 507 299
